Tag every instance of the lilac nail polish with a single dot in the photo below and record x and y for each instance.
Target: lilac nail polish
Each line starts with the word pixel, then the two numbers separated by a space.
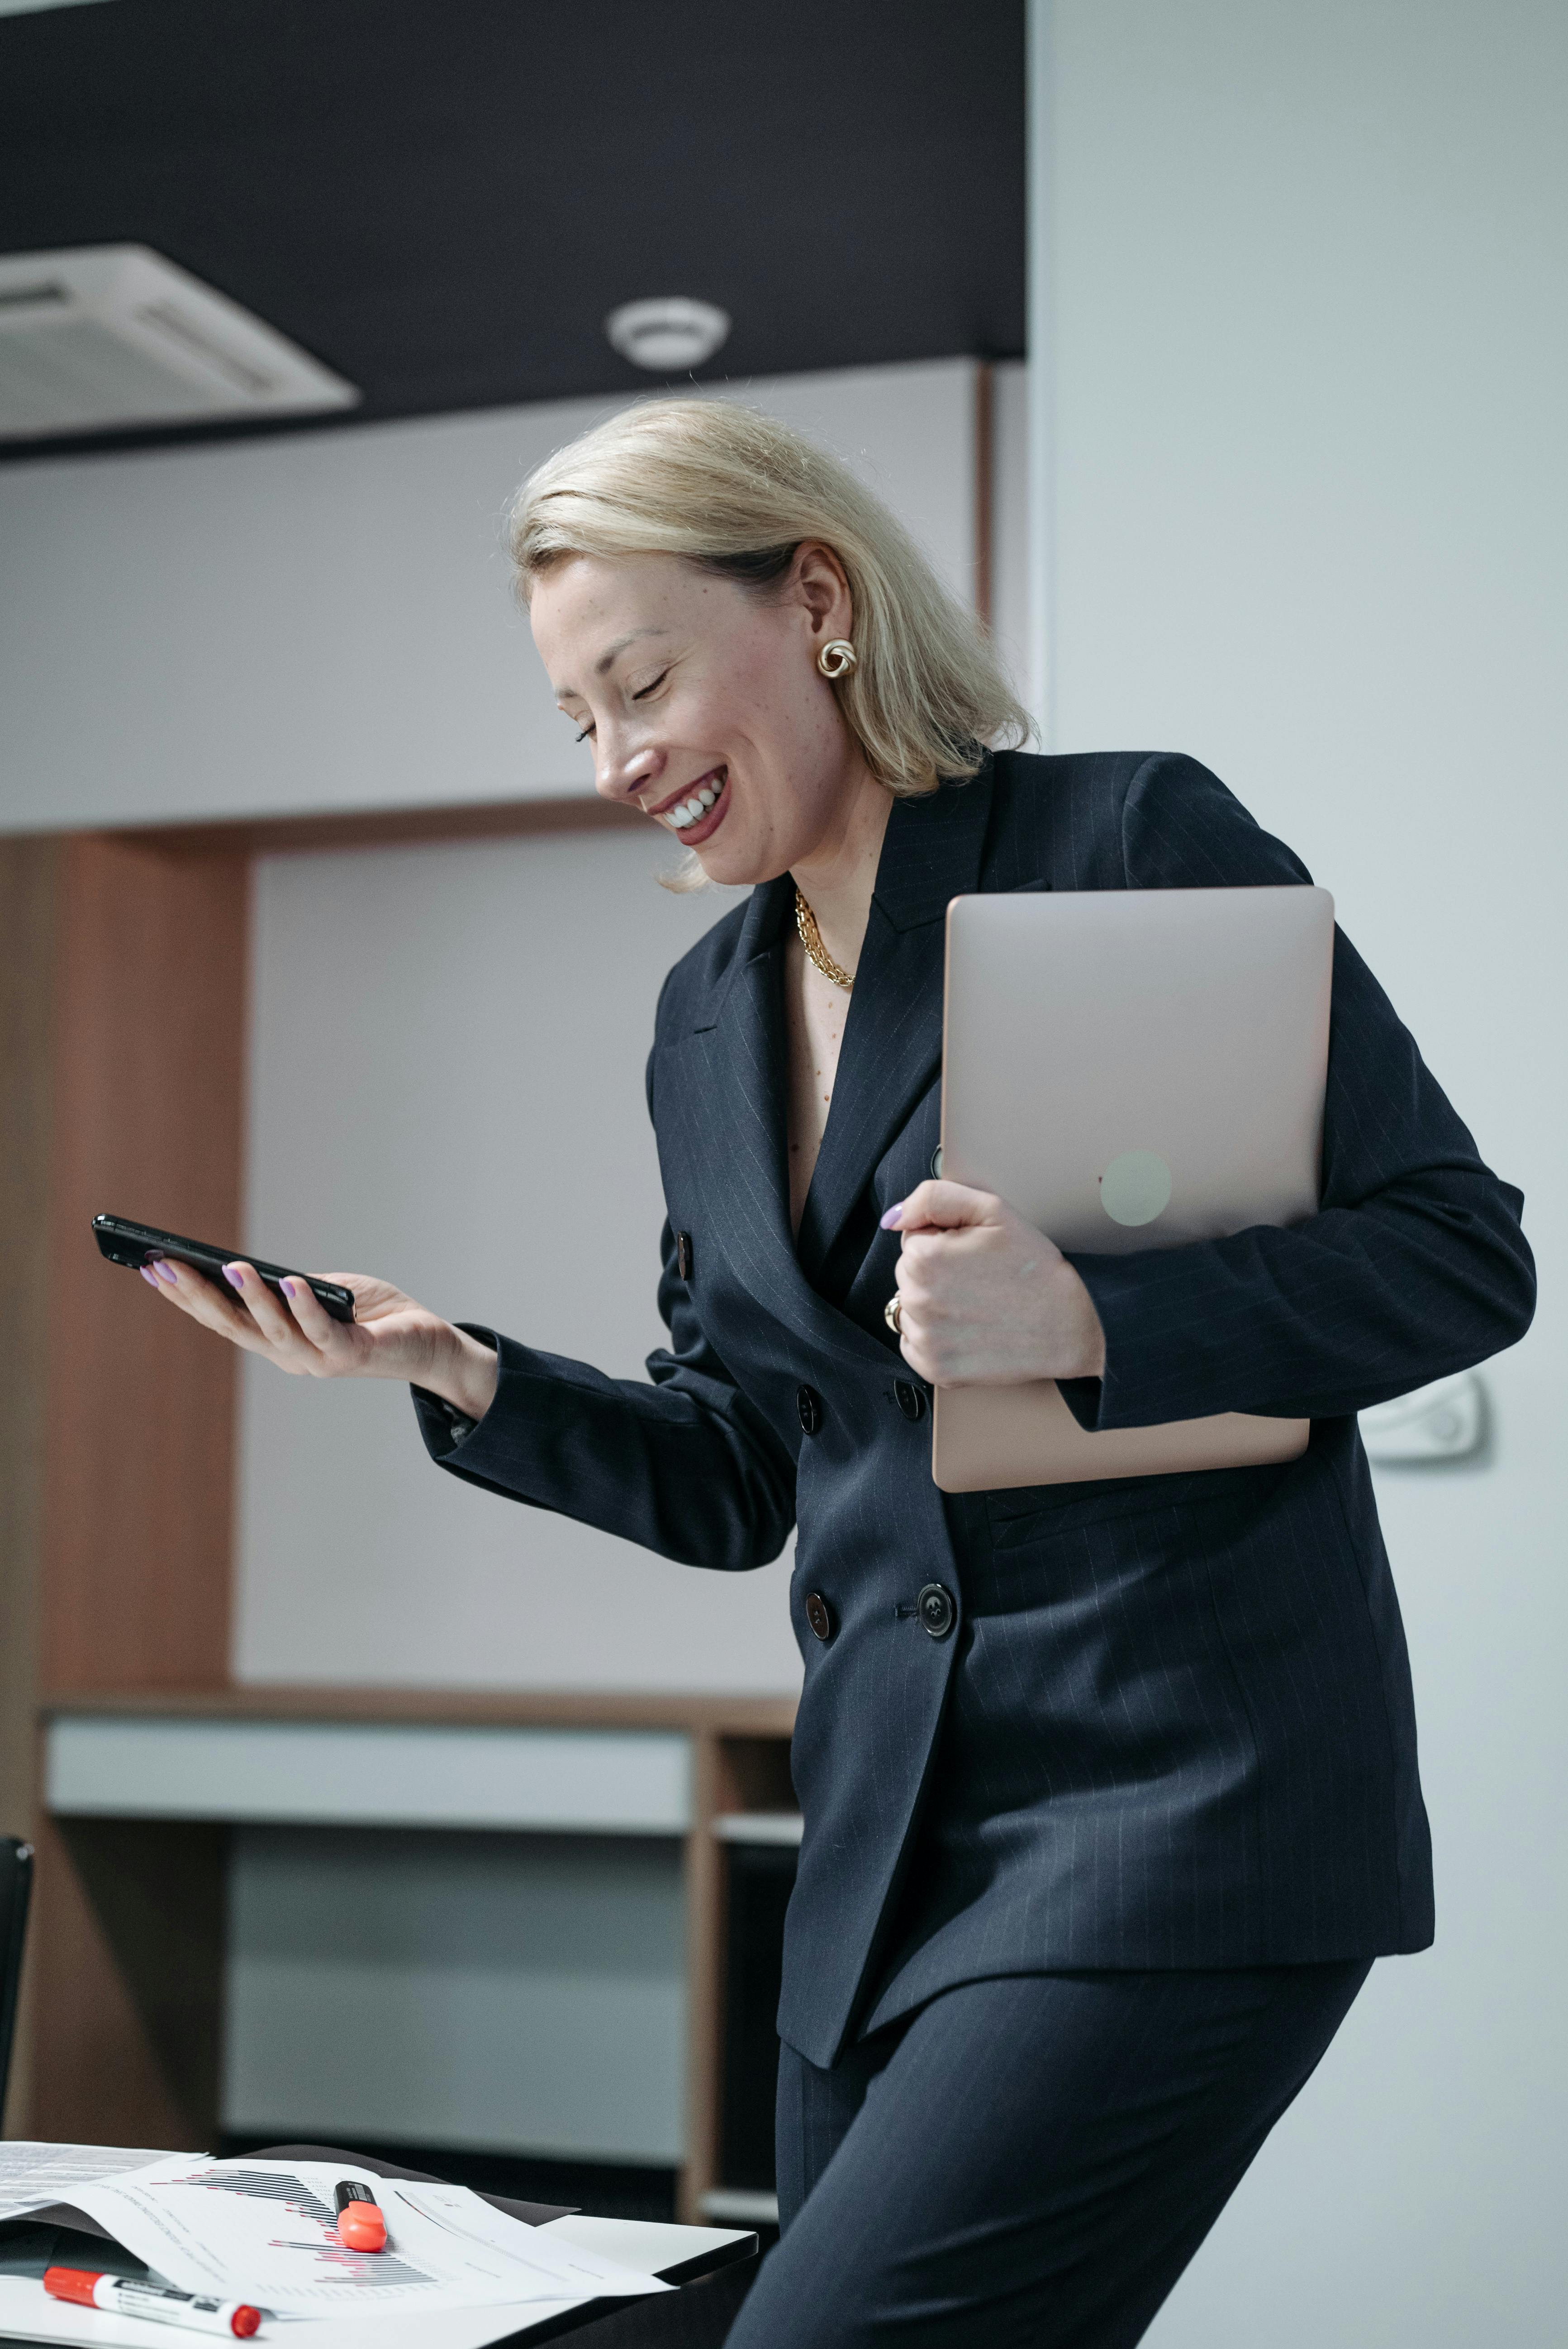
pixel 893 1217
pixel 288 1290
pixel 164 1271
pixel 148 1275
pixel 235 1280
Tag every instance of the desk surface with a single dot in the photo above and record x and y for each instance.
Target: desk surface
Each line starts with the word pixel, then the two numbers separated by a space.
pixel 658 2246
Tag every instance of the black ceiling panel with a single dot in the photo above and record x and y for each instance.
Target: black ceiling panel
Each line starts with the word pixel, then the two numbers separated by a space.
pixel 442 202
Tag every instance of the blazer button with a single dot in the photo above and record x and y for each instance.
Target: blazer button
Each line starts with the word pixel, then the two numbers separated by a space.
pixel 819 1615
pixel 809 1403
pixel 683 1255
pixel 910 1399
pixel 937 1612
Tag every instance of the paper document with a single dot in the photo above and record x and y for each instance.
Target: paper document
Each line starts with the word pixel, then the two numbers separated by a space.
pixel 484 2232
pixel 27 2314
pixel 266 2231
pixel 32 2176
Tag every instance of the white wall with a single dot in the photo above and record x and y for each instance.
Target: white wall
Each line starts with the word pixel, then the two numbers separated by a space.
pixel 1012 617
pixel 1309 499
pixel 447 1089
pixel 323 620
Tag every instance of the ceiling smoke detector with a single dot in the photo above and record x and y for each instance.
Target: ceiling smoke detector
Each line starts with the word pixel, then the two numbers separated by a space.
pixel 670 335
pixel 102 338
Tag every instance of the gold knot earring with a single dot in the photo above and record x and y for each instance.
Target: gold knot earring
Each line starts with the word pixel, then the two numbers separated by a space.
pixel 837 659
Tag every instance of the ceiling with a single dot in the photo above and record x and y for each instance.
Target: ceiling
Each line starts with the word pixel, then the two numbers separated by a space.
pixel 443 198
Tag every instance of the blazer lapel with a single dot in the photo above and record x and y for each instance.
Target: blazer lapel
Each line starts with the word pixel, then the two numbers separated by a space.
pixel 893 1037
pixel 741 1149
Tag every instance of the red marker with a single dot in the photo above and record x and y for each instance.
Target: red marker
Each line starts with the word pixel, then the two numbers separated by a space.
pixel 132 2296
pixel 360 2224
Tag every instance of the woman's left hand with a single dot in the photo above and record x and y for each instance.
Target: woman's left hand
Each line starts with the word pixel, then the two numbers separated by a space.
pixel 984 1298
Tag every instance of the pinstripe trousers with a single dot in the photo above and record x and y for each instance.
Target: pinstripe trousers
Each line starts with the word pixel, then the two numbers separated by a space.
pixel 1032 2159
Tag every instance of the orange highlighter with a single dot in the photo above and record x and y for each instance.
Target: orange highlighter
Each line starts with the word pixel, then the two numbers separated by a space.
pixel 360 2224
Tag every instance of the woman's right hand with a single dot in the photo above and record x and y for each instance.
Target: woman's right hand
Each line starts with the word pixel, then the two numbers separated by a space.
pixel 390 1337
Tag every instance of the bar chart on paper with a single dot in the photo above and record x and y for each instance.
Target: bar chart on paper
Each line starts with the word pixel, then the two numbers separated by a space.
pixel 377 2271
pixel 267 2232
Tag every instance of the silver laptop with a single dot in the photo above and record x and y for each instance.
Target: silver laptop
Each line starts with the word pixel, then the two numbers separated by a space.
pixel 1129 1069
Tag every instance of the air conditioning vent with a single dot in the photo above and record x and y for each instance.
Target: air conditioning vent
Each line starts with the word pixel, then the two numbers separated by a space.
pixel 33 298
pixel 108 338
pixel 186 335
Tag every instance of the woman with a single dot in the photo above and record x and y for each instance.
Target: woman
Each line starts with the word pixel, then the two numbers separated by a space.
pixel 1109 1790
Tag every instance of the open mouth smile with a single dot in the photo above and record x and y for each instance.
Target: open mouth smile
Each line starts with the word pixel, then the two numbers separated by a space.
pixel 698 809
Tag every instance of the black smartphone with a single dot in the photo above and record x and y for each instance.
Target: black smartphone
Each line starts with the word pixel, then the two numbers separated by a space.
pixel 136 1244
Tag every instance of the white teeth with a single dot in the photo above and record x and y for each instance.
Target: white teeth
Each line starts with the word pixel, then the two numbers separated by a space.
pixel 687 811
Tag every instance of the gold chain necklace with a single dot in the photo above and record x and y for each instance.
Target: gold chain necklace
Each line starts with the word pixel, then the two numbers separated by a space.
pixel 811 939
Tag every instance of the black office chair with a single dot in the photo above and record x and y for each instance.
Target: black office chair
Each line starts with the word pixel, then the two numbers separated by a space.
pixel 15 1890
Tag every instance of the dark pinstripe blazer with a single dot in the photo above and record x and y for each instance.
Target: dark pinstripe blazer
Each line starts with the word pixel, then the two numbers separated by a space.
pixel 1171 1724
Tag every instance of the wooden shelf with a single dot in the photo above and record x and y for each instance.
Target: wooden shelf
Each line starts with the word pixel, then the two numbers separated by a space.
pixel 785 1828
pixel 700 1713
pixel 350 828
pixel 740 2206
pixel 464 1776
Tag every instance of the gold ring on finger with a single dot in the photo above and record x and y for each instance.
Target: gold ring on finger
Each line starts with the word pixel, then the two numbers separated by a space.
pixel 892 1314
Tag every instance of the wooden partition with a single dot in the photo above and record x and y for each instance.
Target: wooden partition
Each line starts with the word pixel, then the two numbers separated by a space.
pixel 29 921
pixel 124 972
pixel 148 1091
pixel 123 961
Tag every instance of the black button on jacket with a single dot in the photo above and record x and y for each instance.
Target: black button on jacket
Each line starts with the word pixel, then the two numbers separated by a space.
pixel 1172 1714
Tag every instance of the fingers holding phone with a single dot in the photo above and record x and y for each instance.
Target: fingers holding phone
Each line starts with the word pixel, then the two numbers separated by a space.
pixel 387 1338
pixel 247 1312
pixel 194 1294
pixel 285 1321
pixel 339 1325
pixel 278 1320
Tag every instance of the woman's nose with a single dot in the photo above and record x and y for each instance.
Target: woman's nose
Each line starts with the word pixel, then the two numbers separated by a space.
pixel 626 771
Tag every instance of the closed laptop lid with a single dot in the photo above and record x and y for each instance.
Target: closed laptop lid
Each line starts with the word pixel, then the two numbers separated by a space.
pixel 1135 1068
pixel 1129 1069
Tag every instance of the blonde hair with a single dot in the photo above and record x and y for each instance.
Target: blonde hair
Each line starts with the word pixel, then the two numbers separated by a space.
pixel 738 494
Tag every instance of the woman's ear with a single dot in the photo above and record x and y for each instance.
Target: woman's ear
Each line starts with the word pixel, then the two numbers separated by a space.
pixel 819 581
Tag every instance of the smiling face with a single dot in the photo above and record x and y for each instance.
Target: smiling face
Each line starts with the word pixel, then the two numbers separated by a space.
pixel 702 702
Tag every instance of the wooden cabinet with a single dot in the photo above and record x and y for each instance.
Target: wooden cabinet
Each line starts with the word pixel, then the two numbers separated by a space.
pixel 139 1793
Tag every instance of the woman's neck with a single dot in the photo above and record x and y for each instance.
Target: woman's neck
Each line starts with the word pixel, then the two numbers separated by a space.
pixel 839 875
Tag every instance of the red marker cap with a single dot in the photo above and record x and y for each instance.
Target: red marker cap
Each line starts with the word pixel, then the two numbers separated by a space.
pixel 361 2226
pixel 72 2284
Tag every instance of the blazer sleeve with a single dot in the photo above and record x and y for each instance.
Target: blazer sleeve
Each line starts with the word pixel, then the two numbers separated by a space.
pixel 1415 1265
pixel 681 1463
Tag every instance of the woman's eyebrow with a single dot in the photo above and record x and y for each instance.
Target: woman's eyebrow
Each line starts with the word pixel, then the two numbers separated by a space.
pixel 614 651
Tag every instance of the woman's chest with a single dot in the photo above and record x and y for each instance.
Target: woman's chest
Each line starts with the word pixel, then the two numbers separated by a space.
pixel 725 1120
pixel 815 1012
